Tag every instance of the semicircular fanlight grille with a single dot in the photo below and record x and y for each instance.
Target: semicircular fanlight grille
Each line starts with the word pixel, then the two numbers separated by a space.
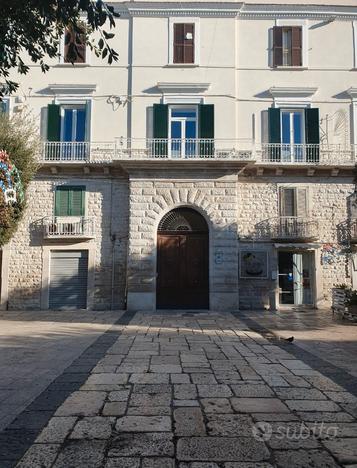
pixel 183 219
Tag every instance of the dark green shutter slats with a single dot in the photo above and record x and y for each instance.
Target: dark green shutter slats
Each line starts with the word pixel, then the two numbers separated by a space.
pixel 206 129
pixel 3 107
pixel 69 201
pixel 161 129
pixel 77 201
pixel 53 123
pixel 312 134
pixel 62 202
pixel 274 130
pixel 274 125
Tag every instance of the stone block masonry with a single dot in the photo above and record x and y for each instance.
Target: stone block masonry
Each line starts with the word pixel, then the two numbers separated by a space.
pixel 127 209
pixel 154 195
pixel 107 204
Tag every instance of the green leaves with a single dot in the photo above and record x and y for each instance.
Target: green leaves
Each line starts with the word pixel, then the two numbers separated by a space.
pixel 36 27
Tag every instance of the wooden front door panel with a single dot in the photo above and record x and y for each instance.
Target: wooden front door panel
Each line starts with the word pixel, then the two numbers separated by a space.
pixel 182 271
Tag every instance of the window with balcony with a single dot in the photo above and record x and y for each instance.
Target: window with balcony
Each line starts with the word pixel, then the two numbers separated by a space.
pixel 68 220
pixel 183 131
pixel 293 223
pixel 67 131
pixel 287 46
pixel 294 135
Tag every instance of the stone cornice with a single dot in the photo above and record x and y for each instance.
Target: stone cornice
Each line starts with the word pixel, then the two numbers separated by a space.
pixel 232 9
pixel 72 88
pixel 294 92
pixel 317 12
pixel 165 87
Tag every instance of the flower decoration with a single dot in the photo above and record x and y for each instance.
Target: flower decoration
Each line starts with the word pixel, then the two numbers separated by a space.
pixel 11 188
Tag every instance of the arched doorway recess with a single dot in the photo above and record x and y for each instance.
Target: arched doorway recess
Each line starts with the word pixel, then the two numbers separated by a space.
pixel 182 261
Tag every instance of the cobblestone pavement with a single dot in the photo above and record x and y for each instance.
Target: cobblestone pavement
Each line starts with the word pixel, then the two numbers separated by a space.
pixel 41 343
pixel 318 332
pixel 190 390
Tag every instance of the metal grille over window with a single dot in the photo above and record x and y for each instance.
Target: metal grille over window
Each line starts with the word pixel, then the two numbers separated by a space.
pixel 183 219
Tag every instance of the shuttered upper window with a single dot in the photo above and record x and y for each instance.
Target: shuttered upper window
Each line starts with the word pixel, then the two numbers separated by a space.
pixel 74 46
pixel 293 201
pixel 70 201
pixel 287 46
pixel 184 43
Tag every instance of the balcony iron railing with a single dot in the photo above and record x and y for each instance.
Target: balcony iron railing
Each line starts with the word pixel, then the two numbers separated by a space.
pixel 147 148
pixel 311 154
pixel 288 228
pixel 353 231
pixel 58 226
pixel 196 149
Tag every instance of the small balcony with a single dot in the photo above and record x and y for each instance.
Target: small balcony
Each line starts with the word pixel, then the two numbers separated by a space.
pixel 77 152
pixel 58 227
pixel 307 154
pixel 147 149
pixel 353 231
pixel 293 228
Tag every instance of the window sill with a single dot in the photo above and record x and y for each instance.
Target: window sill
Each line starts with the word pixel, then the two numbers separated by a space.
pixel 182 65
pixel 292 68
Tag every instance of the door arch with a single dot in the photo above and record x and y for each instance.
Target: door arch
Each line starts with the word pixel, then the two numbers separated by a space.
pixel 182 261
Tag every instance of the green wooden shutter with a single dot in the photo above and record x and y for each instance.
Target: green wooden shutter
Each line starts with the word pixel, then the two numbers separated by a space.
pixel 274 125
pixel 62 201
pixel 76 202
pixel 312 133
pixel 70 201
pixel 161 129
pixel 206 129
pixel 274 131
pixel 53 123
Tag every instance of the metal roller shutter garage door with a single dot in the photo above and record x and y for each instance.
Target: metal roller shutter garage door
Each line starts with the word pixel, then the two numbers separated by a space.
pixel 68 279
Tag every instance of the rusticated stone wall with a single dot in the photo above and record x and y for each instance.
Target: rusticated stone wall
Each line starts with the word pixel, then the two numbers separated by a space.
pixel 107 205
pixel 151 197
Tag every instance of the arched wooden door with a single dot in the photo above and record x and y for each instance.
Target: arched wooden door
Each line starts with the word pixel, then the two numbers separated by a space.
pixel 182 261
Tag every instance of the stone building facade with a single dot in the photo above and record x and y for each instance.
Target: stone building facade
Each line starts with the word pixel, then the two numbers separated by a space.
pixel 217 179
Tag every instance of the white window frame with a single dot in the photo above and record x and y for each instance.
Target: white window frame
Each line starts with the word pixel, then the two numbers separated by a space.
pixel 177 119
pixel 291 110
pixel 65 64
pixel 88 102
pixel 183 20
pixel 304 46
pixel 74 123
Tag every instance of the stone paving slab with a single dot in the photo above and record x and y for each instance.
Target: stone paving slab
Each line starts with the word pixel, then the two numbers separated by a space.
pixel 43 343
pixel 198 390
